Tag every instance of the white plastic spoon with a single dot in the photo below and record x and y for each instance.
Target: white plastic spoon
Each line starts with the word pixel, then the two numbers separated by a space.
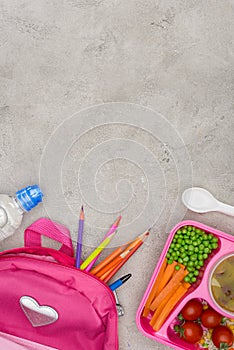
pixel 201 201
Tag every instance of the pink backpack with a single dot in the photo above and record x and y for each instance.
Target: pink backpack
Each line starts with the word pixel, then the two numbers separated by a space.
pixel 47 303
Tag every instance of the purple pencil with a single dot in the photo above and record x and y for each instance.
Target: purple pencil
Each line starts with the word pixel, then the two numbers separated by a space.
pixel 80 237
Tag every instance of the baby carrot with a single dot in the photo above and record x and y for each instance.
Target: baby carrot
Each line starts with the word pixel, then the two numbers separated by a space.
pixel 176 279
pixel 169 307
pixel 170 269
pixel 159 310
pixel 154 289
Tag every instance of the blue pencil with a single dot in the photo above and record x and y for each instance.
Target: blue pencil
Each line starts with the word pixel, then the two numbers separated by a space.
pixel 80 237
pixel 119 282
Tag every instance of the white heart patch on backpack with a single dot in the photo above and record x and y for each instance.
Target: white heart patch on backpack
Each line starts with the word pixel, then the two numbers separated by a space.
pixel 38 315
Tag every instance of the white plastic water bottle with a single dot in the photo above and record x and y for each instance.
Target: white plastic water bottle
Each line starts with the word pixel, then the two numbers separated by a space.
pixel 13 208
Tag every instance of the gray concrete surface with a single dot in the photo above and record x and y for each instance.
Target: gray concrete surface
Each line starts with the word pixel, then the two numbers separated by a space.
pixel 173 57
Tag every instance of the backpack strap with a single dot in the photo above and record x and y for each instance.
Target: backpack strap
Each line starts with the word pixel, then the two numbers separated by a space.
pixel 48 228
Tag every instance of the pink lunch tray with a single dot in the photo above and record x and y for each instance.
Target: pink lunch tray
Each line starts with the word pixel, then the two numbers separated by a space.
pixel 166 334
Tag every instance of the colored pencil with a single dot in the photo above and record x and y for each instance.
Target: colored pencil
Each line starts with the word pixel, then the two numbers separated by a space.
pixel 112 229
pixel 116 269
pixel 120 282
pixel 80 237
pixel 108 259
pixel 107 273
pixel 116 253
pixel 97 251
pixel 113 263
pixel 119 258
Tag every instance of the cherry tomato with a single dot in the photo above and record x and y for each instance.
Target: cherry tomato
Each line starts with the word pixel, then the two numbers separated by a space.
pixel 191 332
pixel 210 318
pixel 222 335
pixel 192 310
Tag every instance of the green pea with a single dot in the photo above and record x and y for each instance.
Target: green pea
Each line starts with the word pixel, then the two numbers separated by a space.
pixel 193 234
pixel 190 269
pixel 177 267
pixel 205 237
pixel 184 231
pixel 190 228
pixel 206 250
pixel 191 247
pixel 190 274
pixel 186 258
pixel 196 249
pixel 195 243
pixel 182 249
pixel 179 240
pixel 215 245
pixel 201 247
pixel 215 240
pixel 196 273
pixel 186 247
pixel 168 255
pixel 200 256
pixel 198 230
pixel 197 267
pixel 205 256
pixel 193 279
pixel 186 279
pixel 193 257
pixel 210 236
pixel 191 263
pixel 200 262
pixel 180 261
pixel 170 261
pixel 172 245
pixel 206 243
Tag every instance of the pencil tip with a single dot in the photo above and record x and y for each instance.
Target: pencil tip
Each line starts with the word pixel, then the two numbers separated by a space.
pixel 82 213
pixel 118 221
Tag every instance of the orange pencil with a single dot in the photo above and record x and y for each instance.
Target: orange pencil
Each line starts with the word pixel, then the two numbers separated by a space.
pixel 113 271
pixel 115 254
pixel 118 258
pixel 106 274
pixel 113 263
pixel 108 259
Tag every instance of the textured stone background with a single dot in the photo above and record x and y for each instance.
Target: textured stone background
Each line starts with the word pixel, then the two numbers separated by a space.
pixel 175 57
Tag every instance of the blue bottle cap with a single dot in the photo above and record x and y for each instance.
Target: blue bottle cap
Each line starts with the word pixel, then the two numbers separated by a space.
pixel 29 197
